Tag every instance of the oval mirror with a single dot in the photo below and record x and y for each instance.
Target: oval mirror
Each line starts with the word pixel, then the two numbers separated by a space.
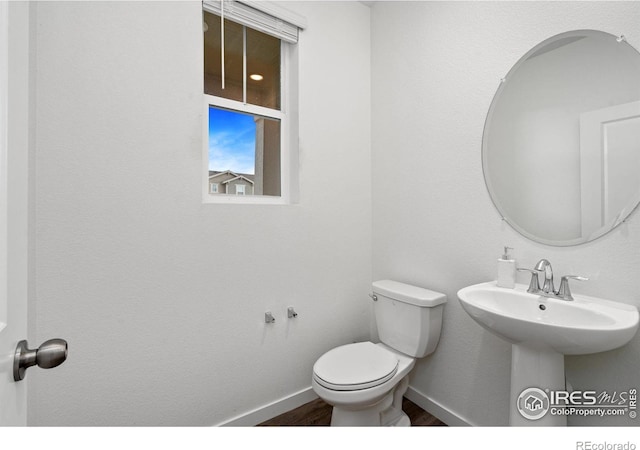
pixel 561 143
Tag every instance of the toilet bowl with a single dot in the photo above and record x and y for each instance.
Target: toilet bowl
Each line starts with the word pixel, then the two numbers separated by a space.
pixel 360 381
pixel 365 382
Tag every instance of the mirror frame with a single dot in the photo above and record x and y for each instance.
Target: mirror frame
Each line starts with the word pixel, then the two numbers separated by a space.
pixel 620 218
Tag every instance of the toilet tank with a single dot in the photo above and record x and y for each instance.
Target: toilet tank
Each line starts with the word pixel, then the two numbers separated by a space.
pixel 408 318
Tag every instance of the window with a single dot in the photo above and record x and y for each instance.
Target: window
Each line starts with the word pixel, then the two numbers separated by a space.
pixel 213 188
pixel 246 145
pixel 249 100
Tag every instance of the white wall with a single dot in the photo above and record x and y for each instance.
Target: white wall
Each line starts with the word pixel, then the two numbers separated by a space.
pixel 435 68
pixel 122 241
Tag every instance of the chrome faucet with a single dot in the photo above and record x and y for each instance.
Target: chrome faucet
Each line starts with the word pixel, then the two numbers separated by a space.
pixel 544 266
pixel 548 290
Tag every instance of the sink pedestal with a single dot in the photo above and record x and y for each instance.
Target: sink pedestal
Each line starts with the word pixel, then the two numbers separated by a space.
pixel 541 368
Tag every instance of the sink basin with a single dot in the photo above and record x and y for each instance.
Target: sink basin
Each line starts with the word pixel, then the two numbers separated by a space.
pixel 542 330
pixel 584 325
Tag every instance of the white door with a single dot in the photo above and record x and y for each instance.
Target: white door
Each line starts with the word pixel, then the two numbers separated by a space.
pixel 14 133
pixel 609 163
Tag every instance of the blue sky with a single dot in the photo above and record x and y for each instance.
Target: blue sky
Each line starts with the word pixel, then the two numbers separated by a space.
pixel 232 141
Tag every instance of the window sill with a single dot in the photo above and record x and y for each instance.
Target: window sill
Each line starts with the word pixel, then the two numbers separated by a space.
pixel 229 199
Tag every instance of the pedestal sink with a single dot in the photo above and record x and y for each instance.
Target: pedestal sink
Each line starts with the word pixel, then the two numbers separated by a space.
pixel 542 330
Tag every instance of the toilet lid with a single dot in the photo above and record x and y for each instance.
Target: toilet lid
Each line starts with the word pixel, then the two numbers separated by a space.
pixel 355 366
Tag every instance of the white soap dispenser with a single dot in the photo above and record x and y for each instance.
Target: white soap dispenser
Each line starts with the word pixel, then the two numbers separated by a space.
pixel 506 270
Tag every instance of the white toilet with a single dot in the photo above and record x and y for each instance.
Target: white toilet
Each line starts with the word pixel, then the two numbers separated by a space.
pixel 365 382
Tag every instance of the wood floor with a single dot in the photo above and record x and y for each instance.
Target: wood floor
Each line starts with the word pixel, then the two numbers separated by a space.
pixel 318 413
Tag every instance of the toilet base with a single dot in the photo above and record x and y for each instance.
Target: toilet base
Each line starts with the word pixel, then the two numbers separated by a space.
pixel 402 421
pixel 386 413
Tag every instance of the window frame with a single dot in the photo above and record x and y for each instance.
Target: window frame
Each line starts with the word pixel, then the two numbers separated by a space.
pixel 288 132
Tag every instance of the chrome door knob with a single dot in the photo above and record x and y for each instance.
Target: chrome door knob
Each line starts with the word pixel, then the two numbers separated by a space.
pixel 50 354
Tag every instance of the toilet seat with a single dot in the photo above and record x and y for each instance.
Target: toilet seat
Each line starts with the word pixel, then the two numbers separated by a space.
pixel 354 367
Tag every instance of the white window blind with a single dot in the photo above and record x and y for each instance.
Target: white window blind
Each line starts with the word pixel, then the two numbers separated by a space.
pixel 261 16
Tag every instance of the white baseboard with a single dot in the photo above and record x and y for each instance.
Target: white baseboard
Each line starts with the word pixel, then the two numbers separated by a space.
pixel 299 398
pixel 436 409
pixel 271 410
